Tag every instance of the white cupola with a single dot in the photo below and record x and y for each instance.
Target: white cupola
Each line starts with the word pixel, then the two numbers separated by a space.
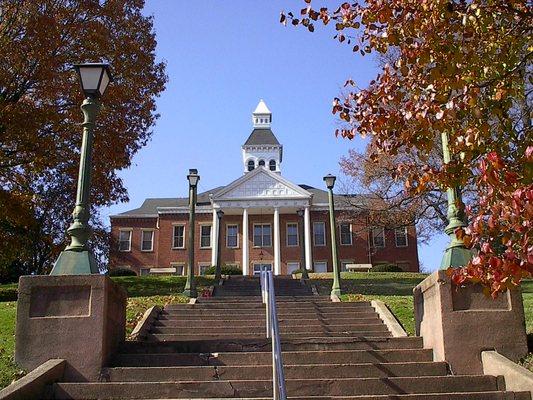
pixel 262 149
pixel 262 116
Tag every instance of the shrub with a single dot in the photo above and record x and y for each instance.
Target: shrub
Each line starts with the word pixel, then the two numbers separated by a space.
pixel 226 270
pixel 121 272
pixel 386 268
pixel 8 292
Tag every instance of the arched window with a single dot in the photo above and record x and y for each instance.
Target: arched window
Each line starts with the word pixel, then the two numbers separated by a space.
pixel 261 163
pixel 251 165
pixel 272 165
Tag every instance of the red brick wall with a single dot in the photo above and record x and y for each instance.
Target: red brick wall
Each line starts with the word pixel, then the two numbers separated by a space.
pixel 163 254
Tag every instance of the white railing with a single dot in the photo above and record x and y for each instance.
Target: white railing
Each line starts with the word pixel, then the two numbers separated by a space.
pixel 272 332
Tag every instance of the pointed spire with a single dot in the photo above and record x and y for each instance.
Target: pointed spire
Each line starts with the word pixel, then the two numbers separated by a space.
pixel 262 116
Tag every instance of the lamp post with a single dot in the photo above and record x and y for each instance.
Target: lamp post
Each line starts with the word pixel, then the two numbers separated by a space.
pixel 336 288
pixel 77 258
pixel 218 272
pixel 456 254
pixel 190 285
pixel 301 214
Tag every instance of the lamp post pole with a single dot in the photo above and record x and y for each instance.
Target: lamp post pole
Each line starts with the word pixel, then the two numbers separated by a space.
pixel 301 214
pixel 456 254
pixel 77 258
pixel 218 269
pixel 336 288
pixel 190 285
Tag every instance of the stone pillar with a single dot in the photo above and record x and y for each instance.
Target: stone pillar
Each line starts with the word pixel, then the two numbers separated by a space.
pixel 277 253
pixel 79 318
pixel 245 253
pixel 307 232
pixel 214 238
pixel 458 323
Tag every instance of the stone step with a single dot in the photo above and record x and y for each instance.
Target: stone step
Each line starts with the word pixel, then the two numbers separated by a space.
pixel 492 395
pixel 265 358
pixel 289 308
pixel 229 329
pixel 263 344
pixel 184 315
pixel 206 323
pixel 228 334
pixel 264 372
pixel 293 299
pixel 240 305
pixel 263 388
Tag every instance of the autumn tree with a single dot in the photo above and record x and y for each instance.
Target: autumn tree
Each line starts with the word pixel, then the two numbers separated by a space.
pixel 463 71
pixel 40 130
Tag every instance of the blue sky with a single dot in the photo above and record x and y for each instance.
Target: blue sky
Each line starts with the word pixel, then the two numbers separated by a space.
pixel 222 57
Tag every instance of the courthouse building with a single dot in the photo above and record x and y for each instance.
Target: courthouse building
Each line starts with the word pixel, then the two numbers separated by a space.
pixel 260 225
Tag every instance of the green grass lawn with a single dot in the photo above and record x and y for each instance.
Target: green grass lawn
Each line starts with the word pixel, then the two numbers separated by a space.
pixel 395 289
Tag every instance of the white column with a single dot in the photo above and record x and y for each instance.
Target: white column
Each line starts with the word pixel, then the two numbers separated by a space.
pixel 277 255
pixel 245 260
pixel 307 232
pixel 214 238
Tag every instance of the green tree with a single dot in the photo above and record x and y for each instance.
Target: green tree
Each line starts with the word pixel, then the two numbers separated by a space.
pixel 40 118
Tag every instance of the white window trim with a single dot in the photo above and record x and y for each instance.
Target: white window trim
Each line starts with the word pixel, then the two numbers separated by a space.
pixel 253 236
pixel 227 236
pixel 173 227
pixel 324 234
pixel 203 264
pixel 320 261
pixel 152 242
pixel 297 234
pixel 340 234
pixel 406 237
pixel 210 235
pixel 130 230
pixel 292 262
pixel 384 239
pixel 179 264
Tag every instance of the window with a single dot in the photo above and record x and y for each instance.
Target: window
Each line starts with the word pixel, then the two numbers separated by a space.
pixel 292 234
pixel 251 165
pixel 344 265
pixel 261 163
pixel 259 267
pixel 262 235
pixel 202 268
pixel 179 268
pixel 232 236
pixel 401 237
pixel 320 266
pixel 404 265
pixel 319 233
pixel 124 240
pixel 346 234
pixel 178 237
pixel 272 165
pixel 378 237
pixel 145 271
pixel 205 236
pixel 147 240
pixel 292 266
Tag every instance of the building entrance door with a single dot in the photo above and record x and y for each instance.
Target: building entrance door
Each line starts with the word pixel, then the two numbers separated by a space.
pixel 259 267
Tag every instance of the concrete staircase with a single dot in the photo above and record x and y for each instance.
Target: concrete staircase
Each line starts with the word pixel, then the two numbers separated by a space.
pixel 216 349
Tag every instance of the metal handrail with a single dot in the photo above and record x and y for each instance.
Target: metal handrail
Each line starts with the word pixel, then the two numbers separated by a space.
pixel 272 332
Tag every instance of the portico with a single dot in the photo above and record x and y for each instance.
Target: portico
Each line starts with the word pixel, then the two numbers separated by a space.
pixel 267 195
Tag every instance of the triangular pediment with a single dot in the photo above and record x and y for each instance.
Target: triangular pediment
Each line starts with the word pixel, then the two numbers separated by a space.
pixel 260 184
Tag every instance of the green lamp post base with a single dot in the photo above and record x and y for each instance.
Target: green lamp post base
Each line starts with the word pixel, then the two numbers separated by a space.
pixel 335 292
pixel 191 293
pixel 456 256
pixel 72 262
